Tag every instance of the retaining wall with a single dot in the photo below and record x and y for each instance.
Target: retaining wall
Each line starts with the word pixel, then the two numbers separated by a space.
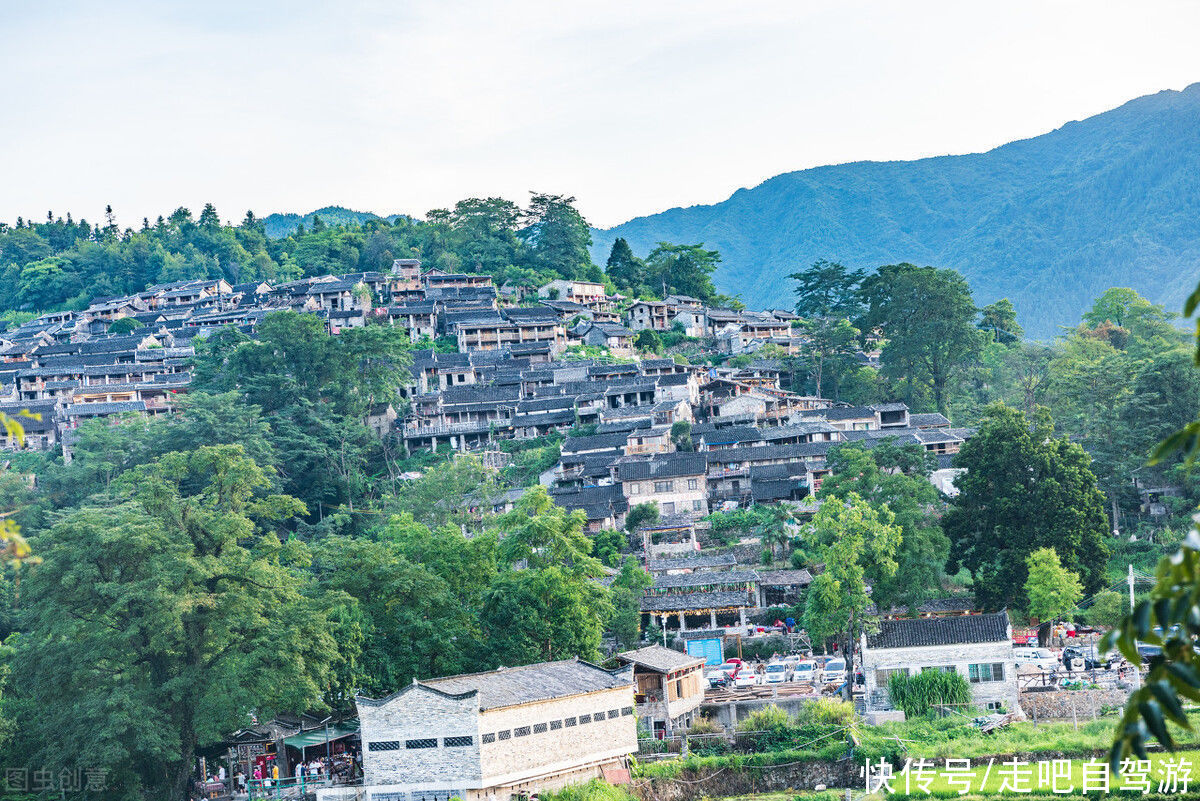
pixel 724 782
pixel 1071 704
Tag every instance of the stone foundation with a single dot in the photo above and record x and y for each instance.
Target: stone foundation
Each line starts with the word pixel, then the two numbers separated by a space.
pixel 693 785
pixel 1071 704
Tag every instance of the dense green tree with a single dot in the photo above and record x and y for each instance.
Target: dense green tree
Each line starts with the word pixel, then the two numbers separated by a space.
pixel 827 290
pixel 830 352
pixel 1052 590
pixel 857 544
pixel 407 621
pixel 125 325
pixel 776 530
pixel 643 514
pixel 541 534
pixel 627 589
pixel 485 233
pixel 1024 489
pixel 625 270
pixel 430 498
pixel 1107 609
pixel 896 478
pixel 167 618
pixel 682 270
pixel 647 341
pixel 543 615
pixel 1000 320
pixel 558 237
pixel 928 319
pixel 681 436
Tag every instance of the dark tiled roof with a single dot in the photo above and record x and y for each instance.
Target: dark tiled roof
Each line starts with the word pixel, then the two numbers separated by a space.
pixel 932 631
pixel 667 465
pixel 695 600
pixel 539 682
pixel 657 658
pixel 617 439
pixel 83 409
pixel 762 453
pixel 784 578
pixel 928 420
pixel 843 413
pixel 706 578
pixel 693 562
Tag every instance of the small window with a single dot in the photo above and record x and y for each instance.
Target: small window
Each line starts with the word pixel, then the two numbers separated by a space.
pixel 521 731
pixel 692 483
pixel 539 728
pixel 569 722
pixel 668 508
pixel 985 672
pixel 697 506
pixel 626 711
pixel 584 719
pixel 884 675
pixel 488 738
pixel 614 713
pixel 430 742
pixel 457 742
pixel 555 725
pixel 635 489
pixel 504 735
pixel 664 486
pixel 599 716
pixel 384 745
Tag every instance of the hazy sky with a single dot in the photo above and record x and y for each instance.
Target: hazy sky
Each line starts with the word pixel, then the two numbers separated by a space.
pixel 631 107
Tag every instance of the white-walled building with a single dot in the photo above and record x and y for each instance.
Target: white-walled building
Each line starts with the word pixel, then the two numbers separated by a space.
pixel 978 647
pixel 498 734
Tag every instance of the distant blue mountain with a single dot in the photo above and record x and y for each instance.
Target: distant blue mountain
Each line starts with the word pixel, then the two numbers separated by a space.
pixel 1049 222
pixel 277 226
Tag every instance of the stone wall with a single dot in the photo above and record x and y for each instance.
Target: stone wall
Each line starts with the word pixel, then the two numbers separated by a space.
pixel 717 783
pixel 532 747
pixel 957 656
pixel 1071 704
pixel 420 714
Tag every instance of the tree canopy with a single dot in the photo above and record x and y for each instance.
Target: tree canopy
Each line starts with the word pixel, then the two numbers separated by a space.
pixel 1024 489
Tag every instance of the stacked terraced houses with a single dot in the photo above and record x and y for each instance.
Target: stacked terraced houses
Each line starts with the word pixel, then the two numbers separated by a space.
pixel 752 441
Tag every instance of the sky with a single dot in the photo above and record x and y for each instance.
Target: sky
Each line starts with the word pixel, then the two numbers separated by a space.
pixel 631 107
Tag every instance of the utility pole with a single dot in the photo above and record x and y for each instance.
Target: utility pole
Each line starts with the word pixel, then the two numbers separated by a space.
pixel 1131 589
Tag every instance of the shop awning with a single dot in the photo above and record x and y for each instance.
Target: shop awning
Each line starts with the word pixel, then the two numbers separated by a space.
pixel 318 736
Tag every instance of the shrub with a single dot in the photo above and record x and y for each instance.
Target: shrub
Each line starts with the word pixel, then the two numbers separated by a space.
pixel 916 695
pixel 595 790
pixel 769 718
pixel 705 726
pixel 827 710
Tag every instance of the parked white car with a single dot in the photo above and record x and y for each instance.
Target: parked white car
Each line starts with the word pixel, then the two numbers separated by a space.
pixel 777 673
pixel 1034 659
pixel 746 677
pixel 833 671
pixel 805 672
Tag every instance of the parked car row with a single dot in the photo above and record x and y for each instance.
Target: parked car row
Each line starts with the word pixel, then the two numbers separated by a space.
pixel 793 669
pixel 1071 658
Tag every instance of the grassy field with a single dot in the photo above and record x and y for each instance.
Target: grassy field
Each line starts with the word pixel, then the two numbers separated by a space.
pixel 955 737
pixel 1169 774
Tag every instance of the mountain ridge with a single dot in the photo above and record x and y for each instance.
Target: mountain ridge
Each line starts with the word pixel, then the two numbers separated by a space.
pixel 283 224
pixel 1049 221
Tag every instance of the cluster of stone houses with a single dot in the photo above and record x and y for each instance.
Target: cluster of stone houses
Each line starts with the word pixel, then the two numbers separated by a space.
pixel 70 365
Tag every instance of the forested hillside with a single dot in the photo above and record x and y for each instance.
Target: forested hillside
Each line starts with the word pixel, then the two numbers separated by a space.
pixel 1049 222
pixel 278 226
pixel 64 263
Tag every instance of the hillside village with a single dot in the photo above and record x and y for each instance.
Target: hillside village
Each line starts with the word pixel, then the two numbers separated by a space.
pixel 636 430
